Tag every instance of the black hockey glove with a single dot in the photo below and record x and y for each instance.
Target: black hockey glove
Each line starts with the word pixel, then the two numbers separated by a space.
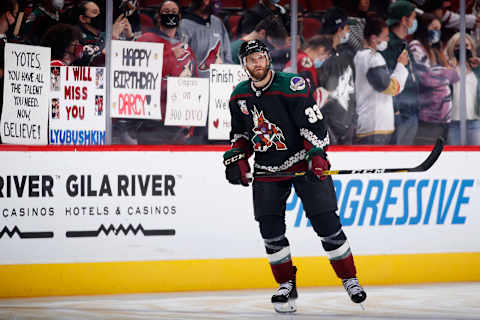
pixel 237 168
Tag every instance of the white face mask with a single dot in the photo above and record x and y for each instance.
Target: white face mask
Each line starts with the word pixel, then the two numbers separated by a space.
pixel 58 4
pixel 382 46
pixel 345 38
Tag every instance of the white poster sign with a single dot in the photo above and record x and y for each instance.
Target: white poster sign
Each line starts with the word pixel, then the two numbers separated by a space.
pixel 187 102
pixel 223 79
pixel 136 76
pixel 77 111
pixel 25 95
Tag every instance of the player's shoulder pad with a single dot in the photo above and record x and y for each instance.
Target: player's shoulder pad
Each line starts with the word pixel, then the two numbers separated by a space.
pixel 241 88
pixel 291 83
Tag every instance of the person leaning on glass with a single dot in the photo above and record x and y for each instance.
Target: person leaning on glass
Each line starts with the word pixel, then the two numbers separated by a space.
pixel 472 84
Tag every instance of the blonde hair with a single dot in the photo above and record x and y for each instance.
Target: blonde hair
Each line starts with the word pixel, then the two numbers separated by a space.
pixel 452 42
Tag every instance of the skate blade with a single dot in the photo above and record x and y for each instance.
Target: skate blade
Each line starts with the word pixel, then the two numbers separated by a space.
pixel 287 307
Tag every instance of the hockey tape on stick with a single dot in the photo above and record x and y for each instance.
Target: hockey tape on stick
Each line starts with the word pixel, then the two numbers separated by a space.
pixel 424 166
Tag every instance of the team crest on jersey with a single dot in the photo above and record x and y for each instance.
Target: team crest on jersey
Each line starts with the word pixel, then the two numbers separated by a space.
pixel 306 62
pixel 243 106
pixel 297 84
pixel 213 56
pixel 267 134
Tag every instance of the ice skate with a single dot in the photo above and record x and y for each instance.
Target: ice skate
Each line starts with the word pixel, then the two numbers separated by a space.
pixel 354 290
pixel 284 299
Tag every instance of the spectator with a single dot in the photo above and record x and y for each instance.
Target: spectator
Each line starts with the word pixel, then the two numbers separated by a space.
pixel 64 41
pixel 260 11
pixel 206 35
pixel 316 52
pixel 267 30
pixel 357 11
pixel 402 23
pixel 90 22
pixel 375 85
pixel 336 75
pixel 8 16
pixel 450 20
pixel 178 61
pixel 472 83
pixel 179 58
pixel 435 77
pixel 40 20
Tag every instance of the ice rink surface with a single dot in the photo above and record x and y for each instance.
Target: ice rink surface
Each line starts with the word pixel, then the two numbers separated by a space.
pixel 433 301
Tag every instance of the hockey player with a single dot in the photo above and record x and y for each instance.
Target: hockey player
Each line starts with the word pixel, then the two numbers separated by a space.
pixel 275 117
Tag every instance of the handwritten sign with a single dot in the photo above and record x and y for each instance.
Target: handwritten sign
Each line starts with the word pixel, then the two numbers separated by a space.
pixel 25 95
pixel 223 79
pixel 187 102
pixel 77 111
pixel 136 76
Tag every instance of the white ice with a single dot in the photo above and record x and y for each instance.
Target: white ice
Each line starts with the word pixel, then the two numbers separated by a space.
pixel 433 301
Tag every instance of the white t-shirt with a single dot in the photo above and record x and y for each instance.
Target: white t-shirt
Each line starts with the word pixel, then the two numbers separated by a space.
pixel 374 109
pixel 471 100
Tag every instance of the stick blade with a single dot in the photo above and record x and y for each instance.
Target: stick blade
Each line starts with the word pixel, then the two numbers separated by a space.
pixel 432 157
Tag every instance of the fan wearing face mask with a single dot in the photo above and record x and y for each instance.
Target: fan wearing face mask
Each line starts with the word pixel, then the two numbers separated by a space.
pixel 316 51
pixel 435 76
pixel 376 85
pixel 472 83
pixel 336 75
pixel 402 21
pixel 40 20
pixel 311 58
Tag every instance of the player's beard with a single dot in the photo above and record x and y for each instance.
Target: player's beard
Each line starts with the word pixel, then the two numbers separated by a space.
pixel 257 74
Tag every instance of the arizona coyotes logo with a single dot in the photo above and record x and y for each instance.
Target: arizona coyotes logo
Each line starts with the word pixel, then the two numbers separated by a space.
pixel 213 56
pixel 186 61
pixel 266 133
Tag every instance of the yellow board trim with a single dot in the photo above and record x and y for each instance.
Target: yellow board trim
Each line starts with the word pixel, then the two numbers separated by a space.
pixel 225 274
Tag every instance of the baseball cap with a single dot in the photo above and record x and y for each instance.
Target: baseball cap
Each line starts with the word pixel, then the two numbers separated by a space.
pixel 333 19
pixel 398 10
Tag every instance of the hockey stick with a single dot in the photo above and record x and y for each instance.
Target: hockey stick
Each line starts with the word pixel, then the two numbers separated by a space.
pixel 424 166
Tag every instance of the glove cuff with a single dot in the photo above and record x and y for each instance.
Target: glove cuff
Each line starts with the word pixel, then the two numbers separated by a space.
pixel 316 152
pixel 233 155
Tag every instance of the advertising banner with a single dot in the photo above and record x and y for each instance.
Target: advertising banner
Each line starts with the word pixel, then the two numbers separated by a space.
pixel 136 76
pixel 223 79
pixel 152 205
pixel 77 111
pixel 26 91
pixel 187 102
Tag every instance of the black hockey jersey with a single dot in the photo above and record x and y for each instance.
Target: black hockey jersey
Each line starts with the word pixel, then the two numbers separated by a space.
pixel 278 122
pixel 337 76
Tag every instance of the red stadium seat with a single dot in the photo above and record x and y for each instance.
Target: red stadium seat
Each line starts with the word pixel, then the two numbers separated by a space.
pixel 232 22
pixel 311 27
pixel 151 3
pixel 232 4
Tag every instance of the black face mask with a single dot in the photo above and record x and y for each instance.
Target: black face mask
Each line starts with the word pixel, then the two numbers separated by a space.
pixel 468 54
pixel 98 22
pixel 169 20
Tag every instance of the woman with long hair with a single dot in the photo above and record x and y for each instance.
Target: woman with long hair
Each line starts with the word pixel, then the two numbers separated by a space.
pixel 435 76
pixel 472 83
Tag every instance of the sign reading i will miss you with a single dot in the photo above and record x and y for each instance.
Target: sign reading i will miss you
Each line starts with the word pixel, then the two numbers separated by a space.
pixel 77 112
pixel 136 76
pixel 25 95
